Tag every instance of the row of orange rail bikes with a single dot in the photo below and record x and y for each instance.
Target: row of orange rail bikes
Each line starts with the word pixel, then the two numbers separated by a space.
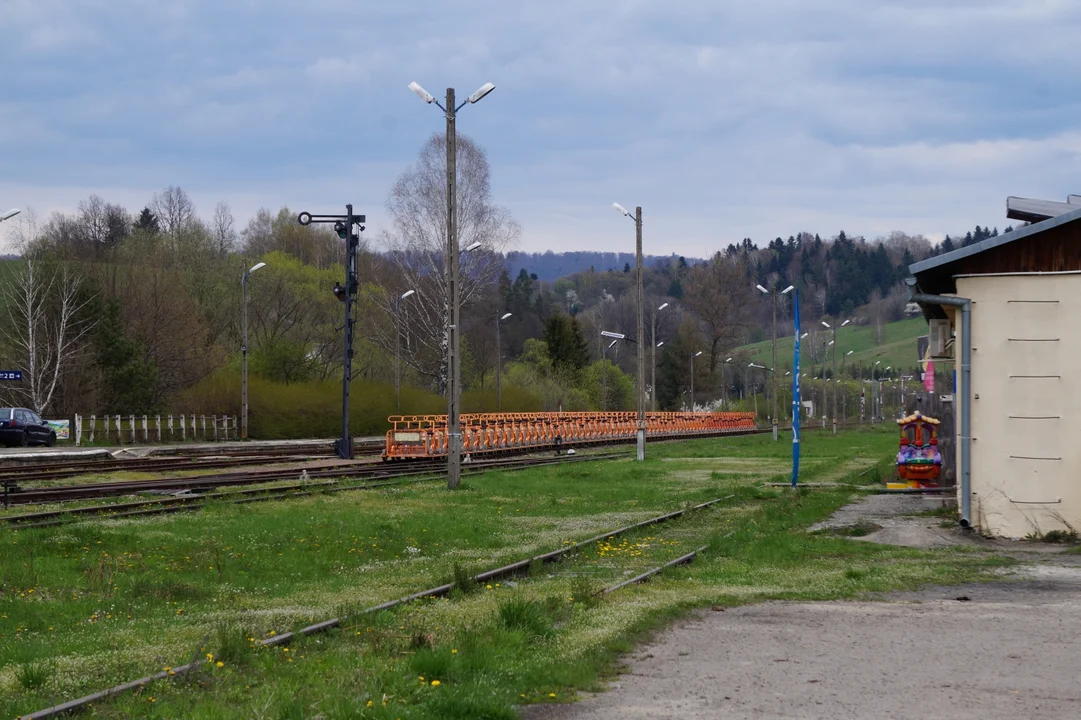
pixel 423 436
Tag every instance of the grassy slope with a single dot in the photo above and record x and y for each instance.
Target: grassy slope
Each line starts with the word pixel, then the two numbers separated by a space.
pixel 90 605
pixel 898 348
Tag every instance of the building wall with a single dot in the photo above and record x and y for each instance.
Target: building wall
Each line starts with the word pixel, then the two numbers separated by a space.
pixel 1026 428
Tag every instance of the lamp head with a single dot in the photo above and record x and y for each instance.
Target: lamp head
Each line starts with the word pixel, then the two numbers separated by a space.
pixel 506 316
pixel 728 359
pixel 479 94
pixel 255 267
pixel 660 343
pixel 421 92
pixel 472 246
pixel 621 209
pixel 845 323
pixel 662 307
pixel 612 343
pixel 9 214
pixel 406 294
pixel 788 289
pixel 759 287
pixel 617 336
pixel 698 353
pixel 826 324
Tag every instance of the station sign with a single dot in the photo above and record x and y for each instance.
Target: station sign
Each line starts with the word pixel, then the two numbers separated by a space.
pixel 11 374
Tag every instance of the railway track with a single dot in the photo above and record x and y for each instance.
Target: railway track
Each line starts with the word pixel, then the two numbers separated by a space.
pixel 516 568
pixel 206 483
pixel 344 478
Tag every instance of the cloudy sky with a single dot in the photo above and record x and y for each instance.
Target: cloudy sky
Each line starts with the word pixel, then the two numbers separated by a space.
pixel 724 119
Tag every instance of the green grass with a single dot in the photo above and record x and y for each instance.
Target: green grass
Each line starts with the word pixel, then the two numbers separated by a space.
pixel 90 605
pixel 898 348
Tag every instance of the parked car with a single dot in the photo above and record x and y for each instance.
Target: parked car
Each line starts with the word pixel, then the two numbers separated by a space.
pixel 22 427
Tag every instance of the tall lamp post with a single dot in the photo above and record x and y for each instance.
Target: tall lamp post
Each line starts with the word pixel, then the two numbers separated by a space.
pixel 874 393
pixel 653 362
pixel 724 387
pixel 771 373
pixel 834 371
pixel 243 349
pixel 692 378
pixel 454 370
pixel 773 303
pixel 499 363
pixel 398 348
pixel 844 390
pixel 640 312
pixel 604 364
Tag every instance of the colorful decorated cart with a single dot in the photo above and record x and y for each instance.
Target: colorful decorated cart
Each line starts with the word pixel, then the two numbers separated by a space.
pixel 918 459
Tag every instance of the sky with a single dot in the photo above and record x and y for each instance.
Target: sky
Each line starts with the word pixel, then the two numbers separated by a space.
pixel 723 120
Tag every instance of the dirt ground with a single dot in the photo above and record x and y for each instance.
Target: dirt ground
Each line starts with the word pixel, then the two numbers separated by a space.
pixel 999 650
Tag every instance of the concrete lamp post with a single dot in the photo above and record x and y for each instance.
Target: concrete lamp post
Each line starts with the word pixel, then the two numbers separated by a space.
pixel 616 337
pixel 640 313
pixel 773 303
pixel 454 370
pixel 499 364
pixel 244 350
pixel 692 378
pixel 833 343
pixel 398 348
pixel 653 362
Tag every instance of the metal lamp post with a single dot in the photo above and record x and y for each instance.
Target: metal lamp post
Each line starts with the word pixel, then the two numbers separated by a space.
pixel 844 391
pixel 398 349
pixel 499 364
pixel 640 312
pixel 724 386
pixel 773 303
pixel 454 370
pixel 874 392
pixel 692 378
pixel 653 362
pixel 604 364
pixel 243 350
pixel 770 371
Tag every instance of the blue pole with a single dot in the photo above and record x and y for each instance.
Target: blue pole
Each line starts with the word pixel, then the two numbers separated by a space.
pixel 795 393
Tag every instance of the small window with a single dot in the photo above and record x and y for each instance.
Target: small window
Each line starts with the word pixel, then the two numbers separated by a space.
pixel 5 413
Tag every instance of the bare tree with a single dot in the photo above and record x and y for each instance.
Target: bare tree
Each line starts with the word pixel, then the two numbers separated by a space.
pixel 719 293
pixel 46 325
pixel 224 228
pixel 173 209
pixel 418 209
pixel 259 235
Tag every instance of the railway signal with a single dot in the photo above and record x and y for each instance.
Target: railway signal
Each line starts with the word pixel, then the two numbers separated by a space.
pixel 348 227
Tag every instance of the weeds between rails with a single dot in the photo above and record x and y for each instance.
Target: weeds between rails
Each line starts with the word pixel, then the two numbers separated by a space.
pixel 515 568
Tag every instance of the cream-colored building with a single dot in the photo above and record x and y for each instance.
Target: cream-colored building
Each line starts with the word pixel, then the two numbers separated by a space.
pixel 1023 292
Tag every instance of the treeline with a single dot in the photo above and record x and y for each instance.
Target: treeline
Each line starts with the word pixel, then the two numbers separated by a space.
pixel 121 312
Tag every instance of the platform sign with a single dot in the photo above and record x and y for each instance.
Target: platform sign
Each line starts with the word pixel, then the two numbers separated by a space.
pixel 11 374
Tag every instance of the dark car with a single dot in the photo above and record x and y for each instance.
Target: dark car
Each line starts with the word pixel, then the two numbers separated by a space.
pixel 22 427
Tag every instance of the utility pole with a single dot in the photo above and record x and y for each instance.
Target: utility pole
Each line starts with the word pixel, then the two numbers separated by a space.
pixel 499 364
pixel 347 227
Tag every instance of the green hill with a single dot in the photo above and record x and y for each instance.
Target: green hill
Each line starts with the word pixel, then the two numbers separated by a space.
pixel 898 348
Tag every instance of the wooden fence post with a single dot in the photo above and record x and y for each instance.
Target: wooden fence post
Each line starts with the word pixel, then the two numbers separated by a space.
pixel 119 435
pixel 78 438
pixel 157 426
pixel 183 429
pixel 170 428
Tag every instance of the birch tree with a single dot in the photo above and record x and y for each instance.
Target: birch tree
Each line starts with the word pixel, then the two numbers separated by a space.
pixel 418 241
pixel 45 329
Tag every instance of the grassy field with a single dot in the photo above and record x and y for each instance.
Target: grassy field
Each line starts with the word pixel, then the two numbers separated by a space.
pixel 90 605
pixel 898 348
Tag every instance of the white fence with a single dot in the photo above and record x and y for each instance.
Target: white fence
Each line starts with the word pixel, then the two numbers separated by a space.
pixel 132 429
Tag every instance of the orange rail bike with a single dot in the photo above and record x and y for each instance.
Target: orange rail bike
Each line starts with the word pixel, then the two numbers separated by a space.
pixel 425 436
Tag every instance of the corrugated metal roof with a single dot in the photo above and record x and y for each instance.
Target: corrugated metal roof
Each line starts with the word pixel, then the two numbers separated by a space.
pixel 989 243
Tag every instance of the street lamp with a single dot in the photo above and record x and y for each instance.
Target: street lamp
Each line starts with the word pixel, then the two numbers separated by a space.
pixel 653 342
pixel 243 349
pixel 844 389
pixel 454 370
pixel 398 349
pixel 7 215
pixel 724 386
pixel 773 303
pixel 640 313
pixel 834 371
pixel 692 378
pixel 604 364
pixel 499 364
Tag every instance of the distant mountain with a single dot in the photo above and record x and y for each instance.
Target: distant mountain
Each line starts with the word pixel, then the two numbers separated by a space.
pixel 551 266
pixel 9 257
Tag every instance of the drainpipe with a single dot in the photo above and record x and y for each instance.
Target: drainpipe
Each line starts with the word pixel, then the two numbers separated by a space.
pixel 966 383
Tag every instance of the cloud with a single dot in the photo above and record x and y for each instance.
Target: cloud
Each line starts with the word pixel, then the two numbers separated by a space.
pixel 723 120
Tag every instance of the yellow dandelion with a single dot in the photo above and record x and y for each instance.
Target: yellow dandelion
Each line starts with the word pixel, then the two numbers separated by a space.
pixel 209 657
pixel 454 651
pixel 221 664
pixel 551 694
pixel 435 683
pixel 370 703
